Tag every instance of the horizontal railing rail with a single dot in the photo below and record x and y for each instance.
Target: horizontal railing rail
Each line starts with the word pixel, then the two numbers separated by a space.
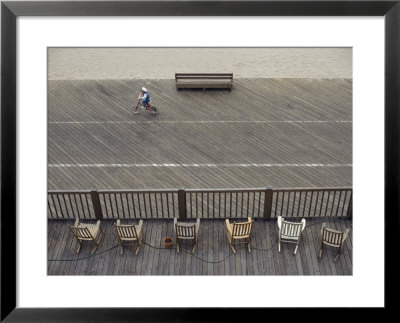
pixel 217 203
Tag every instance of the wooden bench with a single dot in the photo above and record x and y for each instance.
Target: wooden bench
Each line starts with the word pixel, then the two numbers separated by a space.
pixel 204 80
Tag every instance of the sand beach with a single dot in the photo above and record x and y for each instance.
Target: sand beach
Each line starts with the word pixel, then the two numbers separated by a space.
pixel 163 63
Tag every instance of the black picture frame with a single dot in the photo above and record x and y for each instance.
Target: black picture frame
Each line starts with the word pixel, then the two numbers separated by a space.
pixel 10 10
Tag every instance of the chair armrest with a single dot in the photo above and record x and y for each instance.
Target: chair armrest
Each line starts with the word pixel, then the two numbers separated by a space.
pixel 139 227
pixel 279 220
pixel 323 226
pixel 228 226
pixel 118 222
pixel 98 224
pixel 304 224
pixel 346 233
pixel 76 222
pixel 197 224
pixel 249 218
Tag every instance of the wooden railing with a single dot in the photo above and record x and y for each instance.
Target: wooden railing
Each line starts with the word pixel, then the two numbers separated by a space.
pixel 200 203
pixel 305 202
pixel 138 204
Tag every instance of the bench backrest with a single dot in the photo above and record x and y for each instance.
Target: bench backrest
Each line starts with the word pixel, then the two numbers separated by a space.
pixel 204 76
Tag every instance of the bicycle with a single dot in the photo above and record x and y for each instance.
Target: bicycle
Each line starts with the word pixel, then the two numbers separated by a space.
pixel 148 107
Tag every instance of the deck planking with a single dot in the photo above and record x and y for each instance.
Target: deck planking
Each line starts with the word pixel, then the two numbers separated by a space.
pixel 213 246
pixel 196 127
pixel 274 121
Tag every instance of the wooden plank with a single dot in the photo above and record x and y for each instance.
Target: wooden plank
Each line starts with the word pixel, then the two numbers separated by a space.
pixel 156 242
pixel 147 251
pixel 64 237
pixel 306 260
pixel 265 242
pixel 52 248
pixel 109 241
pixel 220 246
pixel 346 257
pixel 160 245
pixel 151 239
pixel 313 247
pixel 323 262
pixel 70 249
pixel 287 249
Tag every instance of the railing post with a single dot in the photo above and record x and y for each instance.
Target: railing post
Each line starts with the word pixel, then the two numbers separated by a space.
pixel 96 204
pixel 350 207
pixel 268 202
pixel 182 203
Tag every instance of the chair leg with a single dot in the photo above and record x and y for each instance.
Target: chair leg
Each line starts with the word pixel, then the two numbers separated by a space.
pixel 177 245
pixel 320 250
pixel 233 249
pixel 248 244
pixel 120 245
pixel 295 249
pixel 99 236
pixel 230 242
pixel 79 246
pixel 97 241
pixel 94 249
pixel 194 245
pixel 138 247
pixel 338 253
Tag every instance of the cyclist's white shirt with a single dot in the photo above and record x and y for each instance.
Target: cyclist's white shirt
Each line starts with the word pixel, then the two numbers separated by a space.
pixel 142 97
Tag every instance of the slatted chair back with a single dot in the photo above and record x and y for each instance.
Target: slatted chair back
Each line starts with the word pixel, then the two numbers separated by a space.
pixel 185 231
pixel 241 230
pixel 291 230
pixel 126 231
pixel 81 233
pixel 332 237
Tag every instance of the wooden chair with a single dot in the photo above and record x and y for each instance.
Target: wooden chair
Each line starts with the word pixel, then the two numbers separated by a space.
pixel 290 232
pixel 128 234
pixel 186 231
pixel 238 231
pixel 87 231
pixel 332 238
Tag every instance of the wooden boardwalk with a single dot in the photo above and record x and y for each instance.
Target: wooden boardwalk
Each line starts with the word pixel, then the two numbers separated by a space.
pixel 266 132
pixel 213 255
pixel 283 133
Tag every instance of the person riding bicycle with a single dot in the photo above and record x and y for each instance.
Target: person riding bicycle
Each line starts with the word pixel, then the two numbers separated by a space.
pixel 144 97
